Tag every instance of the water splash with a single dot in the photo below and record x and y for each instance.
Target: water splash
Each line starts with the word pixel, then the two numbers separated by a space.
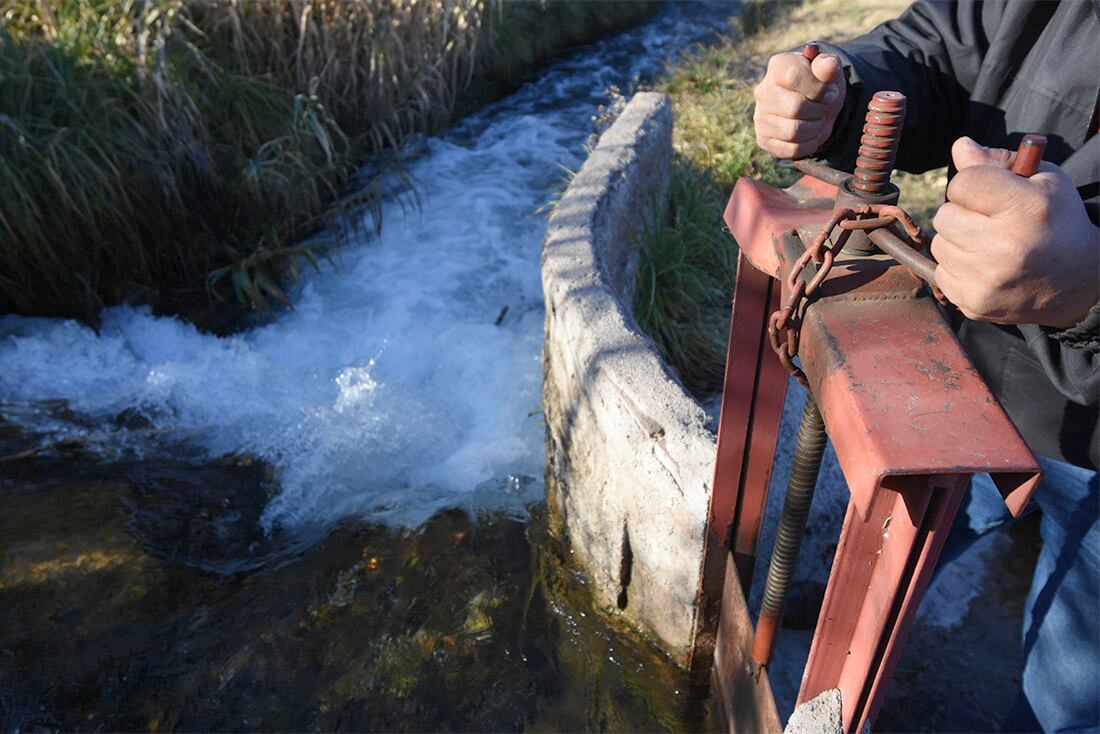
pixel 390 390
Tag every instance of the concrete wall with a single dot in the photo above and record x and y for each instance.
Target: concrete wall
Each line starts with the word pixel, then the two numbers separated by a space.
pixel 629 455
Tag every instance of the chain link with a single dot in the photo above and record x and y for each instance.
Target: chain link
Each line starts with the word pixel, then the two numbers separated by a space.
pixel 785 324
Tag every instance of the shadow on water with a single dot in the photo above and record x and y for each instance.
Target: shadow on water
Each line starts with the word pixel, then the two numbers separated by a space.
pixel 143 595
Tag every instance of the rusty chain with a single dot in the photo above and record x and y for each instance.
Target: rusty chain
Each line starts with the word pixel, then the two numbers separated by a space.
pixel 788 319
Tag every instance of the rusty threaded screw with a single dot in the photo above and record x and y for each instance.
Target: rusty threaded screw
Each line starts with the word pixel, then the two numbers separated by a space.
pixel 879 145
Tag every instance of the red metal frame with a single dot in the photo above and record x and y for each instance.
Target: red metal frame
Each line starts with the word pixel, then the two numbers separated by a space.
pixel 907 413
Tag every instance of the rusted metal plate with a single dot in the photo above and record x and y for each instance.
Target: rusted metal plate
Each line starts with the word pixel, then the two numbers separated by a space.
pixel 757 214
pixel 743 699
pixel 894 383
pixel 888 372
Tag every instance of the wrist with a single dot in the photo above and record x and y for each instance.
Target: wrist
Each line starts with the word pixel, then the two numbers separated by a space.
pixel 1077 303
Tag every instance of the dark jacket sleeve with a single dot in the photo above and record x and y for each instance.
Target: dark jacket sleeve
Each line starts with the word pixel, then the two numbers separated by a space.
pixel 932 54
pixel 1069 357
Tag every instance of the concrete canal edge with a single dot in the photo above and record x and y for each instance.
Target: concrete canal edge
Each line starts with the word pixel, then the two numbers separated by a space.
pixel 630 458
pixel 629 455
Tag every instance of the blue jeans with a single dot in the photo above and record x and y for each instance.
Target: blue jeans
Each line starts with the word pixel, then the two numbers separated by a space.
pixel 1061 633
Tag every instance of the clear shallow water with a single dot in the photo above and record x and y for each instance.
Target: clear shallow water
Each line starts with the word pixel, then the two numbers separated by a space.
pixel 389 391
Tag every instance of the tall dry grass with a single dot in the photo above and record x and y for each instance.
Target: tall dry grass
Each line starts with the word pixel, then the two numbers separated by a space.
pixel 172 152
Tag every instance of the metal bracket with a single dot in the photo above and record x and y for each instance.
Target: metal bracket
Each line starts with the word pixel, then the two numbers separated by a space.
pixel 910 419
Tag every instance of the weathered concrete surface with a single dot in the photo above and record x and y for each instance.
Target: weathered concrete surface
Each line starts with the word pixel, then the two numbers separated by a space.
pixel 629 455
pixel 820 715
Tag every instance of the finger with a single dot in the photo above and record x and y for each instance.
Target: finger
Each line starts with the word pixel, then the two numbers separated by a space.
pixel 963 292
pixel 953 288
pixel 785 149
pixel 827 69
pixel 957 259
pixel 962 226
pixel 945 252
pixel 792 131
pixel 966 153
pixel 989 190
pixel 786 103
pixel 795 73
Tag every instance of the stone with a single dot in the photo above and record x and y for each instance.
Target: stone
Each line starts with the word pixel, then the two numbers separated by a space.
pixel 820 715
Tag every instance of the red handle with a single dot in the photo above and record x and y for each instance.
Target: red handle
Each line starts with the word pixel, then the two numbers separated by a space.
pixel 811 50
pixel 1028 154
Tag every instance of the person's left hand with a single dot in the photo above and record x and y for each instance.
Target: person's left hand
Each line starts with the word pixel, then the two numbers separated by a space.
pixel 1015 250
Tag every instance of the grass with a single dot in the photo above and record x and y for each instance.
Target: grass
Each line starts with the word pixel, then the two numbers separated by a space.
pixel 683 295
pixel 683 277
pixel 177 153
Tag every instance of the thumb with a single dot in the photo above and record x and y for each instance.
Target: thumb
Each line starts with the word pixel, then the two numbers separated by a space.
pixel 827 69
pixel 966 153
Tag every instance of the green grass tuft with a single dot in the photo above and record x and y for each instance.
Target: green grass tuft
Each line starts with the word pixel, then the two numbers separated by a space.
pixel 685 266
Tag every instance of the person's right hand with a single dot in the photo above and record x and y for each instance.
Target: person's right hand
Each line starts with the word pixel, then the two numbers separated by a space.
pixel 797 104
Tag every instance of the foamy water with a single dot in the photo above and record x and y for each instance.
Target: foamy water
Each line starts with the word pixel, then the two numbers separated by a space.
pixel 389 391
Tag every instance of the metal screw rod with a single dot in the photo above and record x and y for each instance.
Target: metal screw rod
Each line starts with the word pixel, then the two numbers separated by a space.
pixel 808 451
pixel 879 145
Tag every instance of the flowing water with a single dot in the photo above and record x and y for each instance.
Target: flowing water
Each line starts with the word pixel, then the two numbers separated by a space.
pixel 331 520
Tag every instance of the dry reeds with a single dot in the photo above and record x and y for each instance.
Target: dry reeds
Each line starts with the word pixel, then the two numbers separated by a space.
pixel 159 150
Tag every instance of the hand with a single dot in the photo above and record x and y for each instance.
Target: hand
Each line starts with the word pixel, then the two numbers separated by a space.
pixel 797 104
pixel 1015 250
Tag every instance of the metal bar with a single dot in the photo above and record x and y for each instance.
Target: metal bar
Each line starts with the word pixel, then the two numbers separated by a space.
pixel 821 171
pixel 895 247
pixel 752 406
pixel 947 495
pixel 771 391
pixel 1029 154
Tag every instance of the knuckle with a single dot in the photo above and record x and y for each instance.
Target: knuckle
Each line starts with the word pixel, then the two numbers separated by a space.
pixel 799 107
pixel 960 183
pixel 789 76
pixel 941 249
pixel 941 217
pixel 786 129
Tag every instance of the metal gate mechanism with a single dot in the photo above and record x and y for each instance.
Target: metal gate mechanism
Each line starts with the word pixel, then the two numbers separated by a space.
pixel 833 274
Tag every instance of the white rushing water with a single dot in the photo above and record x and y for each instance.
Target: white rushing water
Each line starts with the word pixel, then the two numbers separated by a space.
pixel 388 391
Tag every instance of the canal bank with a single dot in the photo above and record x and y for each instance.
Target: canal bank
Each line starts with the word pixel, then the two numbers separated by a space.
pixel 330 520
